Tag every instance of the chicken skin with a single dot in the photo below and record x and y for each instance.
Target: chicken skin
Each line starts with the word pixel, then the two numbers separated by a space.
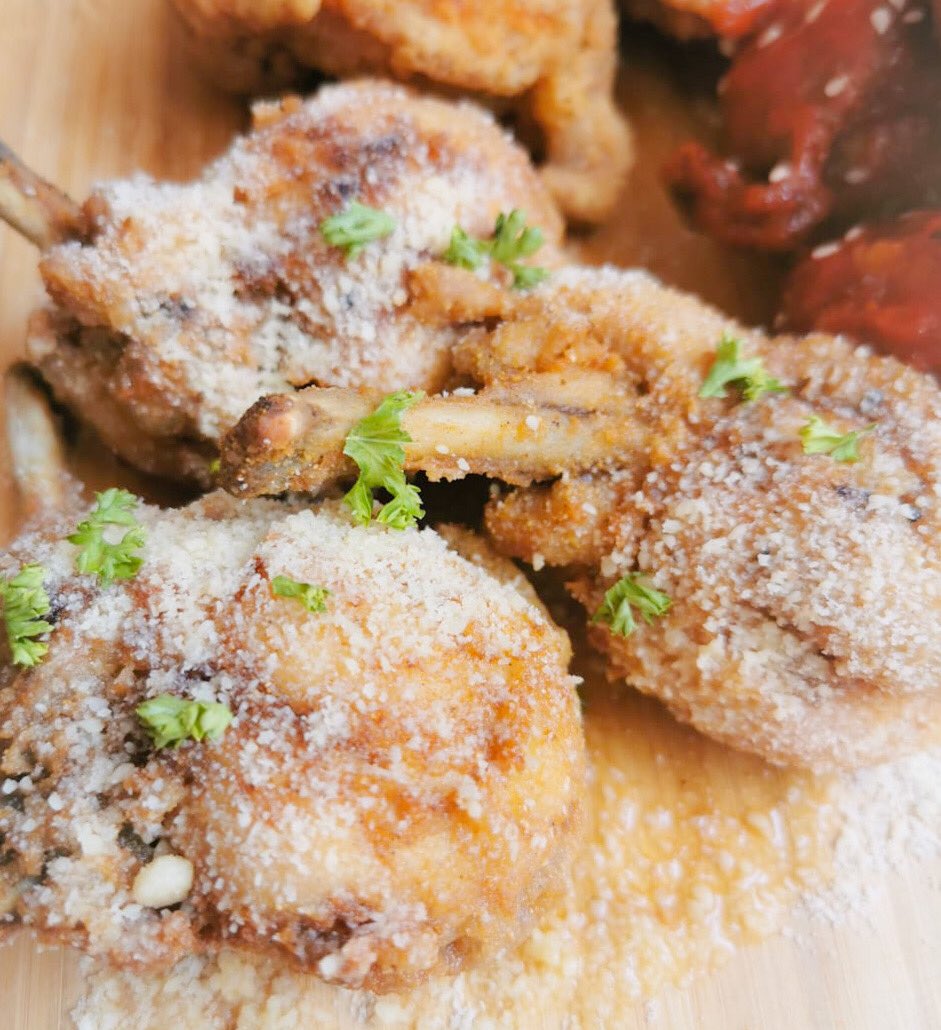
pixel 184 303
pixel 803 591
pixel 396 792
pixel 551 63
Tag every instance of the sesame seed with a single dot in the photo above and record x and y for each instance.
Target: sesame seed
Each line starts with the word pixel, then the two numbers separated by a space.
pixel 836 85
pixel 824 250
pixel 770 35
pixel 881 19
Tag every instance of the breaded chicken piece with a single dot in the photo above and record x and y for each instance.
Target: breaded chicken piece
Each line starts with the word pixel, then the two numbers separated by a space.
pixel 185 303
pixel 398 788
pixel 805 591
pixel 552 63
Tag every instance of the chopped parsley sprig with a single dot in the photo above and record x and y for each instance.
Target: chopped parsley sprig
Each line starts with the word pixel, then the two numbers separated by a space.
pixel 355 226
pixel 314 599
pixel 730 367
pixel 375 444
pixel 817 437
pixel 630 592
pixel 170 720
pixel 25 601
pixel 512 241
pixel 99 556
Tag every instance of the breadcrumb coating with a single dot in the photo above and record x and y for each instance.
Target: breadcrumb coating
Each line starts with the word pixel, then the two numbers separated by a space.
pixel 398 790
pixel 189 302
pixel 806 592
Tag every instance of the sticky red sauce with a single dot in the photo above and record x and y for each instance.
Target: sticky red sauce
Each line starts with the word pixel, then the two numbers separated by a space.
pixel 830 112
pixel 881 286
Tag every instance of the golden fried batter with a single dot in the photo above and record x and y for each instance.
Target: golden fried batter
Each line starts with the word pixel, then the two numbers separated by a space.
pixel 188 302
pixel 805 592
pixel 398 788
pixel 553 62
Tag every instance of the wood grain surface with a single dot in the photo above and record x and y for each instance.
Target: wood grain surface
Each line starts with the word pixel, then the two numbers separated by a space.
pixel 97 88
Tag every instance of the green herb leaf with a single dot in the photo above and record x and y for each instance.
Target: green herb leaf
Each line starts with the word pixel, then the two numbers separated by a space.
pixel 818 437
pixel 25 601
pixel 375 444
pixel 749 374
pixel 616 610
pixel 465 251
pixel 215 467
pixel 314 599
pixel 525 277
pixel 110 561
pixel 356 226
pixel 170 720
pixel 512 241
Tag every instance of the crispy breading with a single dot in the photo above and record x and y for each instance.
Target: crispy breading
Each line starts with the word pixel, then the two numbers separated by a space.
pixel 188 302
pixel 398 790
pixel 552 63
pixel 805 591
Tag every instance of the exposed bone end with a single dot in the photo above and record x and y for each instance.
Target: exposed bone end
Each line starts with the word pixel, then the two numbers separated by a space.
pixel 284 442
pixel 34 207
pixel 35 446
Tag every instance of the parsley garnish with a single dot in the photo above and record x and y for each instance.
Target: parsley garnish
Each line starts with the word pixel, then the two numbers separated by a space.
pixel 110 561
pixel 215 467
pixel 25 601
pixel 375 444
pixel 819 438
pixel 512 241
pixel 628 593
pixel 749 374
pixel 171 720
pixel 314 599
pixel 356 226
pixel 465 251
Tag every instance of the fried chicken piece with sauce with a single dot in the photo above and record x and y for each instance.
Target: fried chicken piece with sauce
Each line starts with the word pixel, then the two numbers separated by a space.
pixel 395 796
pixel 878 284
pixel 830 111
pixel 550 63
pixel 185 303
pixel 805 591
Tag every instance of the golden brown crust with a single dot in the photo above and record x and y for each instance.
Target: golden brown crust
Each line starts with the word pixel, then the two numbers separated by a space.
pixel 190 302
pixel 555 61
pixel 399 788
pixel 805 591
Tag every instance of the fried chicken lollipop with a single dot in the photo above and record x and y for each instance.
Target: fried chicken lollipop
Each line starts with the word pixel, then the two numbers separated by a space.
pixel 296 259
pixel 262 726
pixel 764 562
pixel 551 62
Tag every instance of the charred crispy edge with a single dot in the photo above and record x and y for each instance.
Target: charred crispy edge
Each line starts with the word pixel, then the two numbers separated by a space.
pixel 34 207
pixel 35 446
pixel 295 441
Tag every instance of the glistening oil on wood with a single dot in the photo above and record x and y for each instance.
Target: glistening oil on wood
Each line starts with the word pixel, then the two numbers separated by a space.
pixel 691 852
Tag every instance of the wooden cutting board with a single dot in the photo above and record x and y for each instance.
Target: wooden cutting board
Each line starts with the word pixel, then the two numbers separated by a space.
pixel 98 88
